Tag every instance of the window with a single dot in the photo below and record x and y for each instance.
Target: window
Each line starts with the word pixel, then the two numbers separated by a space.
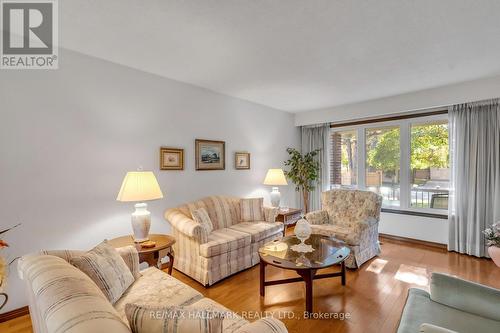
pixel 430 170
pixel 382 163
pixel 344 158
pixel 405 161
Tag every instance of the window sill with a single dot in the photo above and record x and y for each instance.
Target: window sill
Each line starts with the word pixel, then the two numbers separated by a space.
pixel 415 213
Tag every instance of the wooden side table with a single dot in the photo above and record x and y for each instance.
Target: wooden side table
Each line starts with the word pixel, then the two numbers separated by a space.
pixel 150 255
pixel 288 217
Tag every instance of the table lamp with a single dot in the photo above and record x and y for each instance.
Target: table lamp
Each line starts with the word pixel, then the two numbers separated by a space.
pixel 140 186
pixel 275 178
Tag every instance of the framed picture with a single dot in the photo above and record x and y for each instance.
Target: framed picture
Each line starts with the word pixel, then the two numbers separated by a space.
pixel 210 155
pixel 241 161
pixel 171 158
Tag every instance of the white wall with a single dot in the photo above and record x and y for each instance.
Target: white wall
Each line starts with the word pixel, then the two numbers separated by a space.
pixel 416 227
pixel 425 99
pixel 67 138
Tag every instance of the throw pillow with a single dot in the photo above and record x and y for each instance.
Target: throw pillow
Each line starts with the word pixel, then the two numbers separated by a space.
pixel 104 265
pixel 201 216
pixel 172 319
pixel 130 255
pixel 252 209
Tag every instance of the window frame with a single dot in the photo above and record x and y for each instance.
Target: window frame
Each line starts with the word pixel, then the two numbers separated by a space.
pixel 404 163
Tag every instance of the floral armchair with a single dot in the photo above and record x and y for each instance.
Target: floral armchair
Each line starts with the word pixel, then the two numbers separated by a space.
pixel 351 216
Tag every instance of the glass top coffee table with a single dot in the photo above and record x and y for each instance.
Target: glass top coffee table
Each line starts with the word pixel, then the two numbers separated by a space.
pixel 327 251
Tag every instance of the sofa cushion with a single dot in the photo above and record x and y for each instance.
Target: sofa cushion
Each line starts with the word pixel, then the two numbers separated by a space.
pixel 224 240
pixel 172 319
pixel 258 230
pixel 67 300
pixel 128 253
pixel 130 256
pixel 223 211
pixel 421 309
pixel 231 322
pixel 252 209
pixel 342 233
pixel 157 288
pixel 200 215
pixel 104 265
pixel 268 324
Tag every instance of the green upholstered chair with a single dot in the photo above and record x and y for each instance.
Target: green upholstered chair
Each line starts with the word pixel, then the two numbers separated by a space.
pixel 453 305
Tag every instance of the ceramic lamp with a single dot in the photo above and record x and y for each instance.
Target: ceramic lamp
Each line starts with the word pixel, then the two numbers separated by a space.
pixel 140 186
pixel 275 178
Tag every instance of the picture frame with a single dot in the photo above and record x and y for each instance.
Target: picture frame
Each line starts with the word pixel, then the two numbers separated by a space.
pixel 210 155
pixel 242 160
pixel 171 158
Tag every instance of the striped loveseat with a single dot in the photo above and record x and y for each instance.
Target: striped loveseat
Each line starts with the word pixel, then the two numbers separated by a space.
pixel 63 299
pixel 231 247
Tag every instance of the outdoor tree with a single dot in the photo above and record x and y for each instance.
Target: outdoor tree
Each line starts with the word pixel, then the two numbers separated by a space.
pixel 429 146
pixel 385 152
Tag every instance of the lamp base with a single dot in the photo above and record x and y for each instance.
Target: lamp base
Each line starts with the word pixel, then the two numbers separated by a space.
pixel 275 197
pixel 141 222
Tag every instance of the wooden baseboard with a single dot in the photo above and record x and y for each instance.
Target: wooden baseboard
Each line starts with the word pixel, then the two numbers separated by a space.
pixel 414 241
pixel 14 314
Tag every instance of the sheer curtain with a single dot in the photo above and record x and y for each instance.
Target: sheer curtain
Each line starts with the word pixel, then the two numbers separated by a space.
pixel 316 137
pixel 475 177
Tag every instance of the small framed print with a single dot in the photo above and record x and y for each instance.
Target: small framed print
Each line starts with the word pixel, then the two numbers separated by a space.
pixel 171 158
pixel 210 154
pixel 242 161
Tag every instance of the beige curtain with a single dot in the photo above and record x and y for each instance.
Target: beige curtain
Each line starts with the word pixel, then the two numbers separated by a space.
pixel 475 180
pixel 316 137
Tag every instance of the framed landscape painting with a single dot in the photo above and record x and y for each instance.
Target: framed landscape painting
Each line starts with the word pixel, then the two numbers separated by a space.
pixel 242 161
pixel 171 158
pixel 210 154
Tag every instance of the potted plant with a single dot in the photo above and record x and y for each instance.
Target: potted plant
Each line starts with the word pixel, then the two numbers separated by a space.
pixel 304 172
pixel 493 241
pixel 3 268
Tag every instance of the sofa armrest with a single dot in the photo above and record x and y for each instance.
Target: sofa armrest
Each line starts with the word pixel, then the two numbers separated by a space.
pixel 371 221
pixel 264 325
pixel 465 295
pixel 317 217
pixel 130 255
pixel 428 328
pixel 186 226
pixel 270 214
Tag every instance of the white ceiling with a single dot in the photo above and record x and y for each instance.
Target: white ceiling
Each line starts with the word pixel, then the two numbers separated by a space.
pixel 293 55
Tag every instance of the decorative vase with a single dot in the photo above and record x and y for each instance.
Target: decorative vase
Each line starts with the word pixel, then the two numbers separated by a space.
pixel 302 229
pixel 302 232
pixel 494 252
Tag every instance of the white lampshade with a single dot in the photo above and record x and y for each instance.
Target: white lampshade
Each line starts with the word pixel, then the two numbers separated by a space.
pixel 275 177
pixel 139 186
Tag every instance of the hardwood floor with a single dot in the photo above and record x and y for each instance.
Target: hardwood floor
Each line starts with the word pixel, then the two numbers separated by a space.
pixel 374 295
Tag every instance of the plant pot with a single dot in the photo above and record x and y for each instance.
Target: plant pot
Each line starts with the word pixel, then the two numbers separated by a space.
pixel 494 252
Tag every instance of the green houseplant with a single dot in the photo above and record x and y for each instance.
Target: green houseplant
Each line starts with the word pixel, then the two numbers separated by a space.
pixel 303 172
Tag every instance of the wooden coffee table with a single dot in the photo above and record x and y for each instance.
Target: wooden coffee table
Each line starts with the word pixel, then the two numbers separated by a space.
pixel 327 252
pixel 150 255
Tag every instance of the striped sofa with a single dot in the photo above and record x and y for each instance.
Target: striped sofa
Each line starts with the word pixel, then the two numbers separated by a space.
pixel 63 299
pixel 230 248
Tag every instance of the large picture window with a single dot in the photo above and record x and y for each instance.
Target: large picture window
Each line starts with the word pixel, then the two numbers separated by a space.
pixel 382 163
pixel 405 161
